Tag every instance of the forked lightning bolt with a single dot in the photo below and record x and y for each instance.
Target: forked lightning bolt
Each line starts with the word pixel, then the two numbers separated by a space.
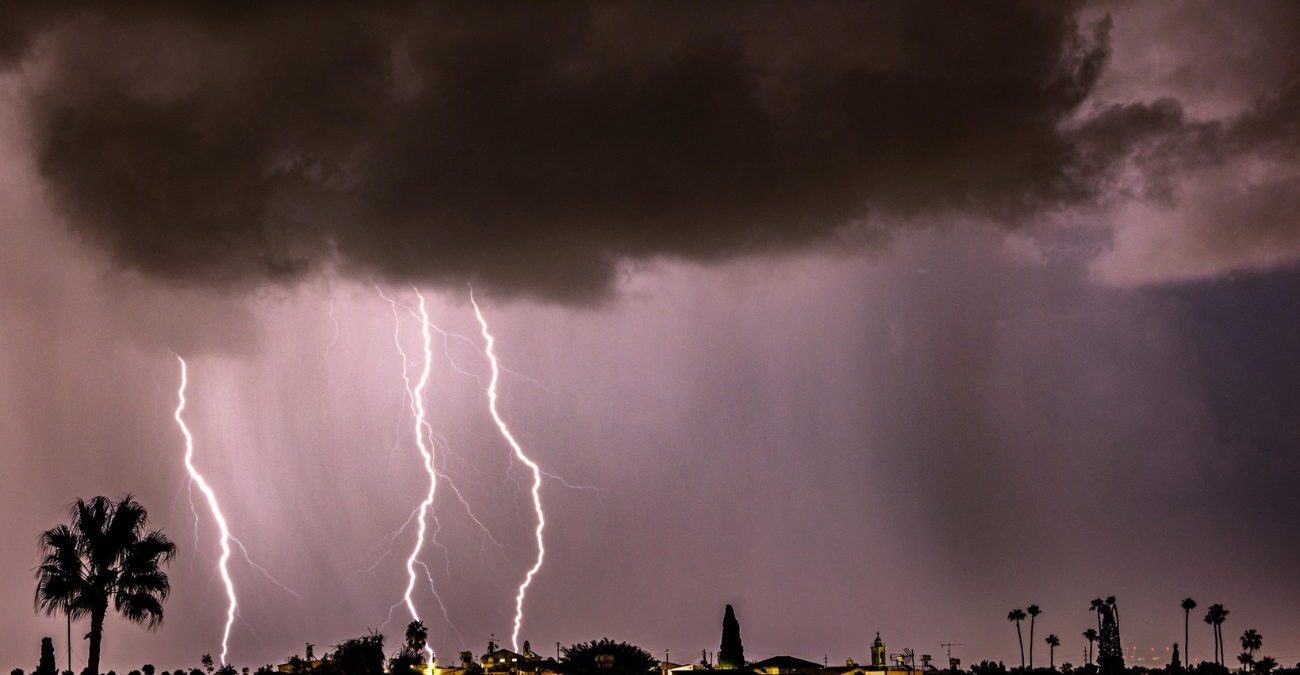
pixel 519 453
pixel 196 477
pixel 422 431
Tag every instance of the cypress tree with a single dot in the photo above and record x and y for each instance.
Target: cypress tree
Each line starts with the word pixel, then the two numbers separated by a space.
pixel 47 666
pixel 731 653
pixel 1110 657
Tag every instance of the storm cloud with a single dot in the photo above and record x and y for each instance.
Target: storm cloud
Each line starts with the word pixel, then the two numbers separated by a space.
pixel 530 148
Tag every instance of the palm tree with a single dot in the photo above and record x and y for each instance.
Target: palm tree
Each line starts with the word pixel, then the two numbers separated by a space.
pixel 1052 643
pixel 105 555
pixel 1188 605
pixel 1209 619
pixel 1033 611
pixel 417 636
pixel 1215 617
pixel 1018 615
pixel 1095 607
pixel 1246 660
pixel 1091 636
pixel 1265 665
pixel 1220 615
pixel 1252 641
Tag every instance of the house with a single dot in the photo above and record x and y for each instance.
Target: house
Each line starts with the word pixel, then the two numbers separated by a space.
pixel 785 665
pixel 502 659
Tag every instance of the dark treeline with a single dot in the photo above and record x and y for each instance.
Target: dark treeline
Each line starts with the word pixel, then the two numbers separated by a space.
pixel 106 558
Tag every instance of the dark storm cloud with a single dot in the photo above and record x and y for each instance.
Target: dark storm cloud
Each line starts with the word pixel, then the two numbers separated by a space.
pixel 530 147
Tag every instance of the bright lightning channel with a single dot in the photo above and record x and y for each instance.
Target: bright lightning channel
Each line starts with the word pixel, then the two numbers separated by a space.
pixel 196 477
pixel 519 453
pixel 426 451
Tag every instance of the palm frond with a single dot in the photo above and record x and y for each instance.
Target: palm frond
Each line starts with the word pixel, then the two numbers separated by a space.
pixel 124 527
pixel 142 608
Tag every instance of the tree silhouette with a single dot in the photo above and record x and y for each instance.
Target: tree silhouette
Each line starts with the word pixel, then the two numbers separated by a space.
pixel 1033 611
pixel 207 662
pixel 46 665
pixel 1095 607
pixel 1252 641
pixel 1188 605
pixel 1265 665
pixel 1111 657
pixel 105 555
pixel 1215 616
pixel 409 660
pixel 417 636
pixel 1052 643
pixel 1091 636
pixel 1209 620
pixel 1110 602
pixel 580 659
pixel 731 653
pixel 1246 660
pixel 1018 615
pixel 359 656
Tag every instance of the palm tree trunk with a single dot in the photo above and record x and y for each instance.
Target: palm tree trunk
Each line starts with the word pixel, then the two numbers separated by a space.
pixel 1187 647
pixel 1022 646
pixel 96 634
pixel 1031 642
pixel 1051 657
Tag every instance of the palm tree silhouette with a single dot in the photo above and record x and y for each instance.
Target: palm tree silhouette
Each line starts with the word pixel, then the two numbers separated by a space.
pixel 105 555
pixel 1110 601
pixel 1220 616
pixel 1265 665
pixel 1018 615
pixel 1188 605
pixel 1252 641
pixel 1095 607
pixel 1209 619
pixel 1033 611
pixel 1215 617
pixel 417 636
pixel 1246 660
pixel 1091 636
pixel 1052 643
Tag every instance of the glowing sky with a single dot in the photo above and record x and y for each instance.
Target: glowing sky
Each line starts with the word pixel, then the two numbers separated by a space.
pixel 869 317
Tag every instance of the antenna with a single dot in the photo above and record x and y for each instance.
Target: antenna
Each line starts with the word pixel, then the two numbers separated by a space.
pixel 949 646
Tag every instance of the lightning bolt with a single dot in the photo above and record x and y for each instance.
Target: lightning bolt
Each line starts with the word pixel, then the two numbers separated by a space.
pixel 422 428
pixel 519 453
pixel 196 477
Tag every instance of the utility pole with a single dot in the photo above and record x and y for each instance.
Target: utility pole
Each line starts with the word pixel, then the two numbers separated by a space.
pixel 557 652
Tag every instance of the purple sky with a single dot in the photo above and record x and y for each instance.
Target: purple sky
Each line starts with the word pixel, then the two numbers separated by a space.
pixel 857 317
